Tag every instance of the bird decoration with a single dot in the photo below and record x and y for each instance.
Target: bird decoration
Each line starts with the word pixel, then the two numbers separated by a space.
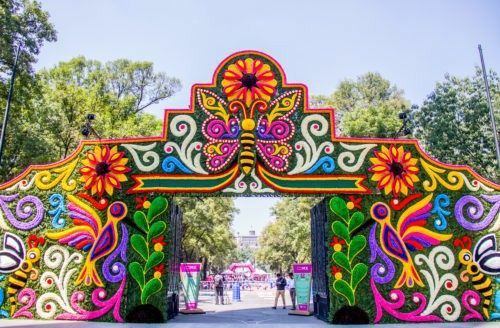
pixel 89 235
pixel 409 235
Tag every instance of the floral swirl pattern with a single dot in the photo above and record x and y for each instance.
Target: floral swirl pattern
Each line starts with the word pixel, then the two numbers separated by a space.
pixel 184 126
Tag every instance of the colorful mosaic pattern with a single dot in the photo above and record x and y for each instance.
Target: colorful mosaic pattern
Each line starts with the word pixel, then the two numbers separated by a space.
pixel 86 238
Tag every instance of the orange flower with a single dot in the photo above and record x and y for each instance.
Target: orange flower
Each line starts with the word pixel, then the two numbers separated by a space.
pixel 395 170
pixel 103 170
pixel 249 80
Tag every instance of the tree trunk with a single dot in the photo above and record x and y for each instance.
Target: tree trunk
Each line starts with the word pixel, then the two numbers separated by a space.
pixel 204 272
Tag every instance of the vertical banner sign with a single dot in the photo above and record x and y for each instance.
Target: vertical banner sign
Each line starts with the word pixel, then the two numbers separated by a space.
pixel 190 279
pixel 302 276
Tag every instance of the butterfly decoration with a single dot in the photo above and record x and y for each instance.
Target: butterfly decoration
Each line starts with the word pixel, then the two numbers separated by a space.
pixel 256 132
pixel 485 253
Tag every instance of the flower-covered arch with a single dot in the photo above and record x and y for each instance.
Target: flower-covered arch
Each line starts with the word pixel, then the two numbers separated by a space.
pixel 82 232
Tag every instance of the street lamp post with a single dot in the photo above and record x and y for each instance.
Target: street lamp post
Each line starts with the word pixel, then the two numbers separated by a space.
pixel 9 99
pixel 488 98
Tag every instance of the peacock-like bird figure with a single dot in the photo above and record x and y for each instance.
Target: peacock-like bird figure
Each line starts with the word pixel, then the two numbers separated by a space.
pixel 89 235
pixel 409 235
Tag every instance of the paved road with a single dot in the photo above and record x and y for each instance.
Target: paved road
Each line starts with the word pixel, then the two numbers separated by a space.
pixel 255 309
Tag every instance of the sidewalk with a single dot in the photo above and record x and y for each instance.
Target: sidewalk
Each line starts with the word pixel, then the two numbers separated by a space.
pixel 254 309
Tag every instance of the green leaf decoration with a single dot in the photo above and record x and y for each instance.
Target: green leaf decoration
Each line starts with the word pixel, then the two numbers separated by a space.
pixel 345 290
pixel 342 261
pixel 356 221
pixel 155 259
pixel 152 287
pixel 339 207
pixel 136 272
pixel 140 246
pixel 340 229
pixel 156 229
pixel 140 220
pixel 158 206
pixel 357 244
pixel 358 273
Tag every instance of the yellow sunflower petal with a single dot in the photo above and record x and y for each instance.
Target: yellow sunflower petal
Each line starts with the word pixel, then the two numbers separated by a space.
pixel 404 189
pixel 112 181
pixel 109 189
pixel 378 176
pixel 121 177
pixel 91 157
pixel 99 186
pixel 397 186
pixel 385 180
pixel 408 181
pixel 401 153
pixel 379 168
pixel 89 182
pixel 97 154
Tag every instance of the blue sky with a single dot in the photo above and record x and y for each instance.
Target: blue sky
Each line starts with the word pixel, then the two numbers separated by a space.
pixel 319 43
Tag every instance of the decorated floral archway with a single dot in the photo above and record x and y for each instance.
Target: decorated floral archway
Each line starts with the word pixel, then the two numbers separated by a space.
pixel 83 232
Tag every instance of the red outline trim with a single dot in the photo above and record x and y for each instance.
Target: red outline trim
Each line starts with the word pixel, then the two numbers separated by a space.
pixel 307 109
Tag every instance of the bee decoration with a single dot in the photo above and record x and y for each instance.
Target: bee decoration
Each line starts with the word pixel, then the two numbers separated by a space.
pixel 259 132
pixel 483 260
pixel 19 263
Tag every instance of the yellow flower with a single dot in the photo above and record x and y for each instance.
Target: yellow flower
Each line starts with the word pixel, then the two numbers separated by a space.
pixel 395 170
pixel 103 170
pixel 158 247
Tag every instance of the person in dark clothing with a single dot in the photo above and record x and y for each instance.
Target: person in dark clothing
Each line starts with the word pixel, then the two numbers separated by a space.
pixel 219 289
pixel 280 290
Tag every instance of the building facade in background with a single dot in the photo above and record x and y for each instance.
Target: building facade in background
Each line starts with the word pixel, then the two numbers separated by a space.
pixel 248 241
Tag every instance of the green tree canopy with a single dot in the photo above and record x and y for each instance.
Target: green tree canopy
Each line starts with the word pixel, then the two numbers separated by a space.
pixel 22 22
pixel 206 234
pixel 53 108
pixel 454 125
pixel 287 239
pixel 365 107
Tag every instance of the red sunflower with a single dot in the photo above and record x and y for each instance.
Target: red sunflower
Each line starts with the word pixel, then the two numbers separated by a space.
pixel 248 80
pixel 395 170
pixel 103 170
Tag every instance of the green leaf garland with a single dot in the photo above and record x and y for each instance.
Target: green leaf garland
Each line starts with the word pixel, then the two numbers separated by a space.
pixel 148 282
pixel 344 229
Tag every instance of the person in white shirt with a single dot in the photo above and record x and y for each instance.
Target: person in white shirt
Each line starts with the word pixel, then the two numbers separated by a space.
pixel 290 283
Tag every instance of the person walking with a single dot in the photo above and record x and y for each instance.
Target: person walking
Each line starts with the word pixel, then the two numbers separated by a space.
pixel 280 290
pixel 290 283
pixel 219 289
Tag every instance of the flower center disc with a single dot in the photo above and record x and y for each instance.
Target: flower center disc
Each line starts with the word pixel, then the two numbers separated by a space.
pixel 102 168
pixel 249 80
pixel 397 168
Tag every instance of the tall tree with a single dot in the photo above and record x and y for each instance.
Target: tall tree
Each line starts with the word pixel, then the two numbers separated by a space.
pixel 22 22
pixel 454 124
pixel 365 107
pixel 207 235
pixel 287 239
pixel 116 92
